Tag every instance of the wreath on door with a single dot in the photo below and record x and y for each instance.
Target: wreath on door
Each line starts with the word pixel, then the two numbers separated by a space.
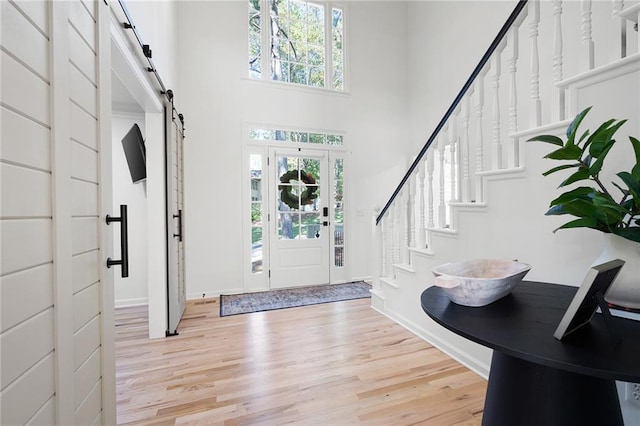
pixel 307 196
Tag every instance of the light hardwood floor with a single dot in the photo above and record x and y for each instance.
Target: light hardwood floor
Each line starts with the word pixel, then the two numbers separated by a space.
pixel 331 364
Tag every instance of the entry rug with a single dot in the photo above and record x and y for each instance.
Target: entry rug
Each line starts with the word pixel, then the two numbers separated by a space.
pixel 292 297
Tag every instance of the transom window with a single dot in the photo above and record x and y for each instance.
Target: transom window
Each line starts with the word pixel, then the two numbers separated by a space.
pixel 301 43
pixel 294 136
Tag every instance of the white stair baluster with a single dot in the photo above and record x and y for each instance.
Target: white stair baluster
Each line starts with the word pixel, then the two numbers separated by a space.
pixel 404 248
pixel 464 153
pixel 479 89
pixel 535 117
pixel 618 32
pixel 442 208
pixel 422 232
pixel 587 56
pixel 497 143
pixel 430 167
pixel 558 100
pixel 383 244
pixel 513 96
pixel 390 242
pixel 411 205
pixel 453 143
pixel 397 215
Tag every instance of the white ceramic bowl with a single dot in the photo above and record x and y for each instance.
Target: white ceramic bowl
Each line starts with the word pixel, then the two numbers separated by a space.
pixel 479 282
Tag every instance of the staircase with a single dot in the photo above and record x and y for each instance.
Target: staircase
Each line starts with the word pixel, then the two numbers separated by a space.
pixel 476 188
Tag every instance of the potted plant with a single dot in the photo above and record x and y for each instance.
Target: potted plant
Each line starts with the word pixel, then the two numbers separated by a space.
pixel 612 207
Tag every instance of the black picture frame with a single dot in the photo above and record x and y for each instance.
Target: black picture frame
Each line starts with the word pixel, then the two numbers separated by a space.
pixel 589 297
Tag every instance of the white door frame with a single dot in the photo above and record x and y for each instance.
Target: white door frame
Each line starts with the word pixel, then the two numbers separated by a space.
pixel 259 281
pixel 131 72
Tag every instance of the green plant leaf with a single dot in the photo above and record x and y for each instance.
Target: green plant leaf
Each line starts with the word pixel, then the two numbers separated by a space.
pixel 547 138
pixel 633 183
pixel 563 167
pixel 584 222
pixel 573 127
pixel 581 192
pixel 556 211
pixel 601 138
pixel 584 135
pixel 631 233
pixel 598 138
pixel 636 148
pixel 581 174
pixel 567 152
pixel 595 168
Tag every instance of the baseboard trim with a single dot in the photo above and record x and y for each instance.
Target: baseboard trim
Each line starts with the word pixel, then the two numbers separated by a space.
pixel 475 365
pixel 129 303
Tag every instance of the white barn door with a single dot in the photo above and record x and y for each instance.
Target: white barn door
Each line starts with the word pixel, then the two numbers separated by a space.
pixel 56 341
pixel 176 289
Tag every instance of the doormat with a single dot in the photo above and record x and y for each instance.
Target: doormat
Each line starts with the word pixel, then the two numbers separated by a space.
pixel 245 303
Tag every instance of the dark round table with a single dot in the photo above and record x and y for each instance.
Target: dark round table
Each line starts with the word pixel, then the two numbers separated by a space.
pixel 535 379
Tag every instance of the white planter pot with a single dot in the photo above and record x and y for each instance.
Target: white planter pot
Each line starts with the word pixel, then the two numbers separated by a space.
pixel 625 290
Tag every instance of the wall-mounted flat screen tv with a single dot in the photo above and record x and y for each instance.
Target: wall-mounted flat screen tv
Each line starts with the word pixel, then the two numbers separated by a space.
pixel 135 152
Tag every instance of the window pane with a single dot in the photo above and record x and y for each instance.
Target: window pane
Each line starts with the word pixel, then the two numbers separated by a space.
pixel 334 140
pixel 337 48
pixel 311 226
pixel 288 226
pixel 316 138
pixel 255 39
pixel 256 250
pixel 256 213
pixel 339 257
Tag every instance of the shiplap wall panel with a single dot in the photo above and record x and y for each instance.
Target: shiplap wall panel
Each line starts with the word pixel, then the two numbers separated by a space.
pixel 36 12
pixel 24 40
pixel 85 127
pixel 84 234
pixel 24 397
pixel 91 8
pixel 23 294
pixel 85 210
pixel 87 376
pixel 25 243
pixel 24 141
pixel 83 22
pixel 85 269
pixel 85 198
pixel 90 408
pixel 24 91
pixel 82 55
pixel 25 345
pixel 84 162
pixel 86 340
pixel 83 92
pixel 86 305
pixel 25 192
pixel 46 415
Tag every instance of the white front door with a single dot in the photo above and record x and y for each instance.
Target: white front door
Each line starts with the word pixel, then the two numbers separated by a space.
pixel 299 217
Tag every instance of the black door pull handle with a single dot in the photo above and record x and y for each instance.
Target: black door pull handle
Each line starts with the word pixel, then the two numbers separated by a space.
pixel 179 216
pixel 124 242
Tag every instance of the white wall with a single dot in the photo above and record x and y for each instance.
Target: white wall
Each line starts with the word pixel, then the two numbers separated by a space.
pixel 218 99
pixel 446 41
pixel 132 290
pixel 156 24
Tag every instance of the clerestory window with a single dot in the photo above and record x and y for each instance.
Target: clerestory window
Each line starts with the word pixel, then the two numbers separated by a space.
pixel 297 42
